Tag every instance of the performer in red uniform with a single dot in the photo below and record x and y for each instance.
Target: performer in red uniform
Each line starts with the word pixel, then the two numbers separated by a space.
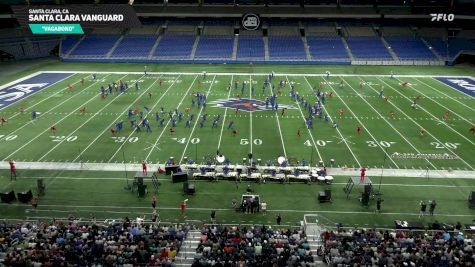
pixel 144 167
pixel 12 170
pixel 363 174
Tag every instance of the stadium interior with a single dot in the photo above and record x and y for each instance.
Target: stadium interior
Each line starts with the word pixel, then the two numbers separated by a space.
pixel 277 191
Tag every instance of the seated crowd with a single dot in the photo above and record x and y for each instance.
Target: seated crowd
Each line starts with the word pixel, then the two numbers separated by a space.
pixel 70 243
pixel 399 248
pixel 255 246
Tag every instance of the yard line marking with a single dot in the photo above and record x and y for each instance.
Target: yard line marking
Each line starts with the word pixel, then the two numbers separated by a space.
pixel 111 124
pixel 250 113
pixel 359 121
pixel 46 112
pixel 418 125
pixel 455 131
pixel 446 108
pixel 37 136
pixel 225 111
pixel 448 96
pixel 146 115
pixel 280 132
pixel 196 122
pixel 39 102
pixel 382 117
pixel 303 118
pixel 166 126
pixel 84 123
pixel 338 130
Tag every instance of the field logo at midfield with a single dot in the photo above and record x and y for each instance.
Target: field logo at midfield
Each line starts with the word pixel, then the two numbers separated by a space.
pixel 246 104
pixel 20 90
pixel 462 84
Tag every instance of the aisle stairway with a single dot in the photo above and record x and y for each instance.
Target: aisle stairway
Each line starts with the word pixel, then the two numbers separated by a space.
pixel 188 249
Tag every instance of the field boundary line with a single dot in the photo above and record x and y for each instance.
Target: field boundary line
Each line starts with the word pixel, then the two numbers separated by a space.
pixel 146 116
pixel 166 126
pixel 310 132
pixel 73 207
pixel 84 123
pixel 433 88
pixel 119 167
pixel 63 118
pixel 111 124
pixel 382 117
pixel 418 125
pixel 426 111
pixel 196 122
pixel 264 74
pixel 225 112
pixel 61 103
pixel 121 179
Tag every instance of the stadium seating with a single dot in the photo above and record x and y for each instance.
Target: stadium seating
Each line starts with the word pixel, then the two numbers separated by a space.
pixel 368 48
pixel 174 45
pixel 410 48
pixel 323 48
pixel 286 47
pixel 438 44
pixel 384 248
pixel 215 41
pixel 115 244
pixel 95 45
pixel 215 47
pixel 68 43
pixel 254 246
pixel 135 46
pixel 460 44
pixel 250 47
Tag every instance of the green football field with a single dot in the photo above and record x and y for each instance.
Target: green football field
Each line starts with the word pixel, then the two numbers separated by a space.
pixel 389 141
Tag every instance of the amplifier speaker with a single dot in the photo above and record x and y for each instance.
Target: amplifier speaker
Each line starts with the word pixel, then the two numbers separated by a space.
pixel 8 197
pixel 179 177
pixel 25 197
pixel 141 189
pixel 188 188
pixel 170 169
pixel 367 189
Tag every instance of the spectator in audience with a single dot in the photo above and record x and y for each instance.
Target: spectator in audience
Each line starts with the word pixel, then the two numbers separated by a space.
pixel 254 246
pixel 383 248
pixel 70 243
